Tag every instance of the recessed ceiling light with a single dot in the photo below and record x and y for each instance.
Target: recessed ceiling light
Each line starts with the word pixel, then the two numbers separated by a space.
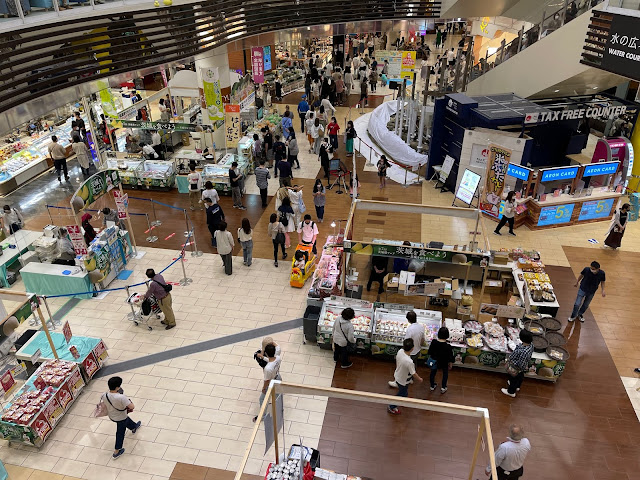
pixel 556 91
pixel 595 88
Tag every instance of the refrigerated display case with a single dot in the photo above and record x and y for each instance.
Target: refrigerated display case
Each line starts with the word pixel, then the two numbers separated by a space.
pixel 129 170
pixel 362 323
pixel 390 327
pixel 245 152
pixel 157 175
pixel 218 174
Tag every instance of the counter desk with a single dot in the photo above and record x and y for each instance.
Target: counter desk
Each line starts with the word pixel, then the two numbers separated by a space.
pixel 48 279
pixel 12 247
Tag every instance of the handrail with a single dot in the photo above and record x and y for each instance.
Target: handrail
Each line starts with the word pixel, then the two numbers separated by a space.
pixel 525 39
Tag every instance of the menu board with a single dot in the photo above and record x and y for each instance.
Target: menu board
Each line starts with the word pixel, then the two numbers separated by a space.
pixel 468 186
pixel 597 209
pixel 555 215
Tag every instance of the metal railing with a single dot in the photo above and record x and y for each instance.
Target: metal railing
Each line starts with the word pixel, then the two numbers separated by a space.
pixel 548 24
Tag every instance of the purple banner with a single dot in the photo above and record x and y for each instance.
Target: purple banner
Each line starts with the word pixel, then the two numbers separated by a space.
pixel 257 64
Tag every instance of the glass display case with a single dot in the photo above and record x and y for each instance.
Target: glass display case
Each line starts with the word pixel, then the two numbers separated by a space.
pixel 218 174
pixel 362 323
pixel 129 170
pixel 157 175
pixel 245 151
pixel 391 325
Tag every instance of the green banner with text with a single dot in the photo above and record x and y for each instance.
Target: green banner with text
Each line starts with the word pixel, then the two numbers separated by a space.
pixel 167 126
pixel 414 253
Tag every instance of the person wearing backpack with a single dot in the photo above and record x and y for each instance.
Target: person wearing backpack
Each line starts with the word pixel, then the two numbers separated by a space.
pixel 118 408
pixel 159 289
pixel 286 217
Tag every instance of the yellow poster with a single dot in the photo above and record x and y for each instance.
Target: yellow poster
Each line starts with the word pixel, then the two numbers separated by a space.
pixel 212 95
pixel 231 125
pixel 408 65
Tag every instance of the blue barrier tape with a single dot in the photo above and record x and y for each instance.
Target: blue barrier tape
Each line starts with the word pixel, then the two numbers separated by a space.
pixel 167 205
pixel 140 198
pixel 69 208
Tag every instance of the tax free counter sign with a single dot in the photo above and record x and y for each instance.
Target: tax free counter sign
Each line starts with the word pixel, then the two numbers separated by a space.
pixel 575 114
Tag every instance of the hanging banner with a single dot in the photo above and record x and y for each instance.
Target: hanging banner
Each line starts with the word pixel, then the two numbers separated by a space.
pixel 408 65
pixel 164 126
pixel 497 164
pixel 106 99
pixel 122 202
pixel 266 51
pixel 212 95
pixel 75 235
pixel 413 253
pixel 231 125
pixel 93 188
pixel 257 64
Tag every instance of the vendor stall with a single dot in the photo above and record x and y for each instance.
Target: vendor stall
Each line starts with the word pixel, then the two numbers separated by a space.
pixel 128 166
pixel 48 279
pixel 218 174
pixel 362 323
pixel 327 277
pixel 135 172
pixel 390 326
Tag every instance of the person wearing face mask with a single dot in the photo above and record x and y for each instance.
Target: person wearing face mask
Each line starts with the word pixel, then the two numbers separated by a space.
pixel 308 232
pixel 11 219
pixel 590 278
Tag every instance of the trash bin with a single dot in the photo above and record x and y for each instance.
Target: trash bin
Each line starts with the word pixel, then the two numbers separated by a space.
pixel 310 323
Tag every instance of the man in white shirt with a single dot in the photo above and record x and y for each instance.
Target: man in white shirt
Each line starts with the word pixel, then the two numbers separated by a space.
pixel 405 371
pixel 415 331
pixel 271 371
pixel 451 57
pixel 510 455
pixel 148 151
pixel 308 232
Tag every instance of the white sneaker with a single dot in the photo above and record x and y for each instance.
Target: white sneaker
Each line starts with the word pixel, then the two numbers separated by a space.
pixel 506 392
pixel 571 319
pixel 581 318
pixel 393 384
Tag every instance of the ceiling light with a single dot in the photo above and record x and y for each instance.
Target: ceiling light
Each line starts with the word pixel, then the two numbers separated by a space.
pixel 595 88
pixel 556 91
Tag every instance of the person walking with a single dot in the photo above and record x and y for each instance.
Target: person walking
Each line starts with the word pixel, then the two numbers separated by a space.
pixel 415 332
pixel 339 89
pixel 245 237
pixel 119 406
pixel 276 230
pixel 348 84
pixel 405 373
pixel 294 150
pixel 383 165
pixel 590 278
pixel 271 371
pixel 258 150
pixel 319 199
pixel 262 181
pixel 350 134
pixel 364 95
pixel 510 455
pixel 234 179
pixel 287 125
pixel 518 363
pixel 286 174
pixel 287 218
pixel 194 187
pixel 308 232
pixel 162 292
pixel 508 215
pixel 441 352
pixel 58 155
pixel 215 216
pixel 617 227
pixel 225 244
pixel 12 219
pixel 317 132
pixel 165 115
pixel 297 202
pixel 82 155
pixel 333 128
pixel 309 123
pixel 303 107
pixel 210 193
pixel 373 79
pixel 343 337
pixel 279 152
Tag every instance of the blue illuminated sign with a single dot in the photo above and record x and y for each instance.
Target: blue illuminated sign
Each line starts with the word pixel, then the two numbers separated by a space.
pixel 518 172
pixel 597 209
pixel 605 168
pixel 555 215
pixel 559 174
pixel 266 54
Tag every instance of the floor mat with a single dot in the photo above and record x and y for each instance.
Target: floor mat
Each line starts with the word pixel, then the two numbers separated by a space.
pixel 124 275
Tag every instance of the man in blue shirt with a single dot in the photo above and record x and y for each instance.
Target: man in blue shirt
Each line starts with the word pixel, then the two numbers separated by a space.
pixel 287 124
pixel 303 108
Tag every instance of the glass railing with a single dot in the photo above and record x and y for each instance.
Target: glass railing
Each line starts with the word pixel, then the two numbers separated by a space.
pixel 525 39
pixel 628 4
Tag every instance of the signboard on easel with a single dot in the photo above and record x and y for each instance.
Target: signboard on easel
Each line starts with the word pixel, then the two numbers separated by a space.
pixel 447 165
pixel 468 187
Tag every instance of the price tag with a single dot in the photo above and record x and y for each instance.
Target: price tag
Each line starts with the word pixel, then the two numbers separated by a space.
pixel 36 356
pixel 66 330
pixel 18 369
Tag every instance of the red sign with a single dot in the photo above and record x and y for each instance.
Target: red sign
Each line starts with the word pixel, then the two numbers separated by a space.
pixel 75 382
pixel 122 202
pixel 53 411
pixel 257 64
pixel 100 352
pixel 75 234
pixel 41 426
pixel 7 381
pixel 64 395
pixel 39 383
pixel 90 365
pixel 66 330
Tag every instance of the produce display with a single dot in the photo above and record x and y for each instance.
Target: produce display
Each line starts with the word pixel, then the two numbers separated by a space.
pixel 361 323
pixel 326 278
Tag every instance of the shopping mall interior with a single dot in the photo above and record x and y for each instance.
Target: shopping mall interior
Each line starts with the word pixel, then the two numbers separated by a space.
pixel 510 252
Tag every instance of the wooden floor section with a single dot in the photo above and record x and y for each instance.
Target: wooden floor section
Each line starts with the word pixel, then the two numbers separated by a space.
pixel 185 471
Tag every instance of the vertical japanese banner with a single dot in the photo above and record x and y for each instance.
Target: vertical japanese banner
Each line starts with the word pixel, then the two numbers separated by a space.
pixel 257 64
pixel 231 125
pixel 497 164
pixel 77 239
pixel 267 57
pixel 408 65
pixel 212 95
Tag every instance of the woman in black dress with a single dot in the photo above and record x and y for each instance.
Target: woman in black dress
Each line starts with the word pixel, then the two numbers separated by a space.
pixel 617 228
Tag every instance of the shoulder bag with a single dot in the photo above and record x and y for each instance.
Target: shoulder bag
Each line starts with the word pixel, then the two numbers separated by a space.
pixel 280 237
pixel 167 288
pixel 351 348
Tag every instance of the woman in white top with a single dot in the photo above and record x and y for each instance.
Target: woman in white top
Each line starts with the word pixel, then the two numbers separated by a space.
pixel 317 132
pixel 348 82
pixel 508 214
pixel 164 112
pixel 297 203
pixel 245 237
pixel 277 233
pixel 209 192
pixel 82 155
pixel 224 244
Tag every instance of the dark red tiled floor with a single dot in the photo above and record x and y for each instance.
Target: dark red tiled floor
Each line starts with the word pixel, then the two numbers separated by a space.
pixel 583 427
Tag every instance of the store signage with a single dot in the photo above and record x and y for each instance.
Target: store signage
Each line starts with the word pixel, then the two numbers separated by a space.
pixel 36 356
pixel 484 27
pixel 518 171
pixel 53 411
pixel 7 381
pixel 75 235
pixel 453 106
pixel 94 187
pixel 468 186
pixel 479 156
pixel 408 65
pixel 257 64
pixel 132 110
pixel 166 126
pixel 212 94
pixel 564 173
pixel 122 202
pixel 555 215
pixel 575 114
pixel 446 168
pixel 494 183
pixel 66 331
pixel 412 253
pixel 100 352
pixel 596 209
pixel 231 125
pixel 604 168
pixel 266 51
pixel 394 60
pixel 41 425
pixel 90 365
pixel 622 49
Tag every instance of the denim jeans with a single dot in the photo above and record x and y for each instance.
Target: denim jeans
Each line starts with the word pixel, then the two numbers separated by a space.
pixel 445 376
pixel 403 391
pixel 320 212
pixel 121 428
pixel 247 251
pixel 582 303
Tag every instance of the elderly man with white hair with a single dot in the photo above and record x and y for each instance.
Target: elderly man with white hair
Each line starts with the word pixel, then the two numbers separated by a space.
pixel 510 455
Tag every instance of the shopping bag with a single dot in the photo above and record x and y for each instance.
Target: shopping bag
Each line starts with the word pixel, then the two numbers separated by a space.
pixel 100 410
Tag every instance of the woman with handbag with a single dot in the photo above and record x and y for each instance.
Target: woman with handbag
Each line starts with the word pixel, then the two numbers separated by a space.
pixel 518 363
pixel 118 406
pixel 440 358
pixel 343 337
pixel 617 228
pixel 277 233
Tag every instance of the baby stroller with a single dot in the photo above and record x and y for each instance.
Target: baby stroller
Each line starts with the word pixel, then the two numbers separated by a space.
pixel 148 309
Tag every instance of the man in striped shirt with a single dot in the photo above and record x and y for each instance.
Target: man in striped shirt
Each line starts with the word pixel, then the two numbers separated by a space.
pixel 262 177
pixel 518 363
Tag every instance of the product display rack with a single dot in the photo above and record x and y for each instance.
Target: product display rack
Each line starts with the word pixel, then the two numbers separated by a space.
pixel 327 277
pixel 390 326
pixel 147 174
pixel 362 323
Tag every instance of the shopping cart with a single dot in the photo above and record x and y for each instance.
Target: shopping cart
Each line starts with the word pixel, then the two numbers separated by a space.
pixel 148 309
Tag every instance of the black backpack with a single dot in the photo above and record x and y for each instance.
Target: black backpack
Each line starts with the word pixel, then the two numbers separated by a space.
pixel 283 219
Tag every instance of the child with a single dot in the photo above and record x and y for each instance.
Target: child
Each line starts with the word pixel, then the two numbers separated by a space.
pixel 300 261
pixel 405 371
pixel 442 353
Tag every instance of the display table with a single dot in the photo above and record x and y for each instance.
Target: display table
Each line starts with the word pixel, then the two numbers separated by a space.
pixel 48 279
pixel 22 240
pixel 550 308
pixel 92 351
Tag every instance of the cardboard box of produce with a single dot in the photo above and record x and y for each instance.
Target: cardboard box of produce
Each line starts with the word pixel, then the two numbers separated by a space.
pixel 493 286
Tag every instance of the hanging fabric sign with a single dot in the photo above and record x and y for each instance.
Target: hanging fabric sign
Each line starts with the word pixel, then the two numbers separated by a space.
pixel 212 95
pixel 257 64
pixel 231 125
pixel 497 164
pixel 408 64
